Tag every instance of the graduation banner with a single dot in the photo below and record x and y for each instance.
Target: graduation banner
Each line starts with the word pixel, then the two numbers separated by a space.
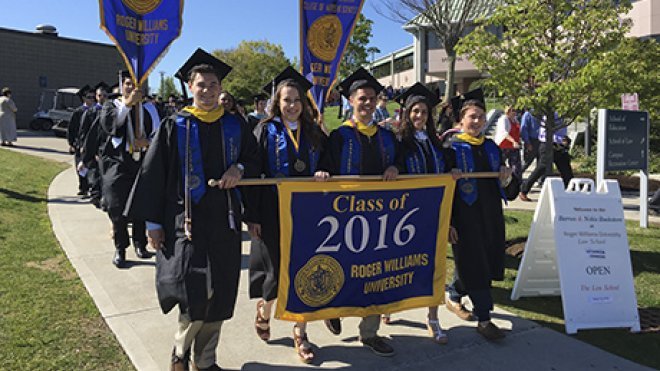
pixel 325 29
pixel 360 248
pixel 142 30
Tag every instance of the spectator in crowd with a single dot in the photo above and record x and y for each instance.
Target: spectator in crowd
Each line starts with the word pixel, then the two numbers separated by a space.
pixel 76 132
pixel 529 133
pixel 381 116
pixel 7 118
pixel 507 137
pixel 559 145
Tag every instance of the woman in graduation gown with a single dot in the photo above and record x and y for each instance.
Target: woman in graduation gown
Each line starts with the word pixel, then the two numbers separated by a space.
pixel 478 219
pixel 422 153
pixel 195 227
pixel 290 144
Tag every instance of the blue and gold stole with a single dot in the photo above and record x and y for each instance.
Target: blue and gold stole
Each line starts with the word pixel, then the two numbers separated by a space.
pixel 416 161
pixel 278 142
pixel 351 152
pixel 230 137
pixel 467 188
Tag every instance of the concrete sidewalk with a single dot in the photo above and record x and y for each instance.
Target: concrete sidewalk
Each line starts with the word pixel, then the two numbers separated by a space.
pixel 127 301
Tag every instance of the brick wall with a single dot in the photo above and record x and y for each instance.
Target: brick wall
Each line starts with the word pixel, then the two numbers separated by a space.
pixel 29 60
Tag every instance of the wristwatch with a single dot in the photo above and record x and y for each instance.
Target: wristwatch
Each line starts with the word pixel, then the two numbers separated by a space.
pixel 240 167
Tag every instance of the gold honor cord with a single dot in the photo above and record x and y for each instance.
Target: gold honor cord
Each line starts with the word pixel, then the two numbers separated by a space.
pixel 340 178
pixel 296 140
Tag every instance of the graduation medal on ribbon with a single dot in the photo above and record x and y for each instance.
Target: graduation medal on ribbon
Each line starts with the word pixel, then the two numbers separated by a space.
pixel 299 165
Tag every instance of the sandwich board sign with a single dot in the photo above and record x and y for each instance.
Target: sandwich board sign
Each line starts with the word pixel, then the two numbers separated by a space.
pixel 578 248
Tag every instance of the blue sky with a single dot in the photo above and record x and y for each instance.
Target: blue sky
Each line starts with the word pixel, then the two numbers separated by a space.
pixel 210 24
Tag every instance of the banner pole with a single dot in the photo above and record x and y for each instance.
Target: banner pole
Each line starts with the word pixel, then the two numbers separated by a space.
pixel 341 178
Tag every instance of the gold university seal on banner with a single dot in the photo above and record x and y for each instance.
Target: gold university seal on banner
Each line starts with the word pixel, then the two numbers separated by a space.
pixel 142 7
pixel 319 281
pixel 323 37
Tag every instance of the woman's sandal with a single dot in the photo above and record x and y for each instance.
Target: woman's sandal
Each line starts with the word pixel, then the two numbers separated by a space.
pixel 261 324
pixel 303 347
pixel 433 325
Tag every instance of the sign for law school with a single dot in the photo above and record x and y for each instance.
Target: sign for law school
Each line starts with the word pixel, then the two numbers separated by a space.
pixel 623 139
pixel 355 249
pixel 578 247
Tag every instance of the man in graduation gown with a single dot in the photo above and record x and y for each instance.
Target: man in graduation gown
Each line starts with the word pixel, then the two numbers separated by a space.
pixel 259 112
pixel 195 227
pixel 74 133
pixel 88 161
pixel 361 147
pixel 127 140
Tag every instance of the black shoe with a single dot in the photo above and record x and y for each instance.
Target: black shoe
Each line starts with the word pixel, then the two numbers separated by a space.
pixel 142 252
pixel 334 325
pixel 378 346
pixel 96 202
pixel 490 332
pixel 81 193
pixel 119 260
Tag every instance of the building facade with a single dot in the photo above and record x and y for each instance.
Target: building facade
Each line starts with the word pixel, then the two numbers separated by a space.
pixel 35 61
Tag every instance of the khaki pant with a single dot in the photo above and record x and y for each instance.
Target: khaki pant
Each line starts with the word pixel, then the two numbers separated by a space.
pixel 203 336
pixel 369 326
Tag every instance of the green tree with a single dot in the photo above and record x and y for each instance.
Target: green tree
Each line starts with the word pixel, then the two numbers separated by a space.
pixel 449 20
pixel 630 68
pixel 357 53
pixel 167 88
pixel 254 64
pixel 544 47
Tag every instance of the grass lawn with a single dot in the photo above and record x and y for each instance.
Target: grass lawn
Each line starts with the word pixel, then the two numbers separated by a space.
pixel 47 319
pixel 641 348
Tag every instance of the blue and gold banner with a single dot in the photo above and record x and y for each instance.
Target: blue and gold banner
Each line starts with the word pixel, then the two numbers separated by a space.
pixel 355 249
pixel 142 30
pixel 325 30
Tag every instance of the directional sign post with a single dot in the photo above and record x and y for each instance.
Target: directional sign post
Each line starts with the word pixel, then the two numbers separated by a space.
pixel 623 144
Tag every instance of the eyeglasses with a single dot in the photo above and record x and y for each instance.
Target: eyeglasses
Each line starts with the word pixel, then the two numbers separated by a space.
pixel 90 97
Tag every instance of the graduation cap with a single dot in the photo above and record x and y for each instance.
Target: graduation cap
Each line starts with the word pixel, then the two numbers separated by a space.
pixel 458 101
pixel 359 79
pixel 84 90
pixel 418 93
pixel 102 85
pixel 111 91
pixel 202 57
pixel 289 73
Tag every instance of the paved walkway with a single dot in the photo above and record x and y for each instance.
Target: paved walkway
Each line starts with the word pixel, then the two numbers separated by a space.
pixel 127 301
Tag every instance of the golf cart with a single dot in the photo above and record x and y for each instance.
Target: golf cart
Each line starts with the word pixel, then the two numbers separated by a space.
pixel 55 110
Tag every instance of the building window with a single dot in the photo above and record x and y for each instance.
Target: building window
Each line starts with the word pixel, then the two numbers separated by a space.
pixel 404 63
pixel 381 70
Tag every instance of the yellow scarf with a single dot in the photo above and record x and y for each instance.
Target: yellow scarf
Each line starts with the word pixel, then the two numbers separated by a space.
pixel 366 129
pixel 208 117
pixel 467 138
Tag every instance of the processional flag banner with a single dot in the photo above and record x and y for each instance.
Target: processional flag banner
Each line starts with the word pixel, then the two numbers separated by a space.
pixel 142 30
pixel 360 248
pixel 325 30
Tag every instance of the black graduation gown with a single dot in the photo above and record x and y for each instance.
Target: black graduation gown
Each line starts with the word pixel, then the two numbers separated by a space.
pixel 479 253
pixel 371 158
pixel 158 196
pixel 263 208
pixel 409 147
pixel 119 167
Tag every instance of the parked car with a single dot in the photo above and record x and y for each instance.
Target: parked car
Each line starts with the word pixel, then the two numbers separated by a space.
pixel 55 110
